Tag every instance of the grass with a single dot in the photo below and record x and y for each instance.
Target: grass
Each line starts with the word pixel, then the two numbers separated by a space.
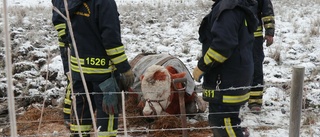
pixel 315 27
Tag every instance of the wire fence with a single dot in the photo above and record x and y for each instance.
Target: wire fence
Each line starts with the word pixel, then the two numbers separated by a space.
pixel 148 130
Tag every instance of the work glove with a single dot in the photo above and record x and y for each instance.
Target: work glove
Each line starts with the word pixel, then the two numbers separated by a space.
pixel 68 74
pixel 197 74
pixel 269 40
pixel 127 79
pixel 110 89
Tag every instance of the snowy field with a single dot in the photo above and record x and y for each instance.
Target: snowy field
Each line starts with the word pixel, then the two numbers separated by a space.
pixel 171 26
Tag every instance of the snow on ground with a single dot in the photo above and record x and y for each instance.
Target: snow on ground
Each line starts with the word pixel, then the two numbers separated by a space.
pixel 27 3
pixel 173 29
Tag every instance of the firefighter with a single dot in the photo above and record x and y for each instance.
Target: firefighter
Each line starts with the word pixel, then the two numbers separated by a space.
pixel 103 61
pixel 264 13
pixel 226 65
pixel 61 28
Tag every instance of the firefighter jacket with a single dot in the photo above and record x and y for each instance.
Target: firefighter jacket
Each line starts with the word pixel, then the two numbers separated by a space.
pixel 96 30
pixel 264 12
pixel 61 27
pixel 226 34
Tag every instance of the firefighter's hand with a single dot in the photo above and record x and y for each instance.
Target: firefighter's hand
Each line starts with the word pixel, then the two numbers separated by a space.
pixel 127 79
pixel 197 74
pixel 269 40
pixel 68 74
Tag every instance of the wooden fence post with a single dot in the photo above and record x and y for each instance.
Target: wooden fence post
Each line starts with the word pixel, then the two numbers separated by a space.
pixel 182 105
pixel 296 101
pixel 124 114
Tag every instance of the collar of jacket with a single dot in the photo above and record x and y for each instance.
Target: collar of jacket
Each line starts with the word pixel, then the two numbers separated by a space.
pixel 73 6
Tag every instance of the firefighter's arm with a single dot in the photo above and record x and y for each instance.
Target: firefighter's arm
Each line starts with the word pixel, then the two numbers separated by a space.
pixel 205 64
pixel 63 44
pixel 268 21
pixel 60 26
pixel 109 24
pixel 225 39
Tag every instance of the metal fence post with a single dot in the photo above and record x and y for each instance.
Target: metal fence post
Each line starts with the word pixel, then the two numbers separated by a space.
pixel 11 103
pixel 296 101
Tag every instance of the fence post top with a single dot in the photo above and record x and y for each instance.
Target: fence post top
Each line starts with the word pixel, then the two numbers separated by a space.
pixel 298 67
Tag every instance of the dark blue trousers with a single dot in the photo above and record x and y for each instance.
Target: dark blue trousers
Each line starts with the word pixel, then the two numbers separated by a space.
pixel 225 120
pixel 256 93
pixel 104 121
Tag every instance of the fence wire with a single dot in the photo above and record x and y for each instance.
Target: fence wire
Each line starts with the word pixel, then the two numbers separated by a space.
pixel 147 130
pixel 198 90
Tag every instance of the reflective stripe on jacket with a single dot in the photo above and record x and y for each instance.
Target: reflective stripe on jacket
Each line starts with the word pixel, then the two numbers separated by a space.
pixel 265 14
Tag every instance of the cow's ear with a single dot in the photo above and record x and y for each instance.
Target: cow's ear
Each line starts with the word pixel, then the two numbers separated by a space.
pixel 179 75
pixel 141 77
pixel 171 69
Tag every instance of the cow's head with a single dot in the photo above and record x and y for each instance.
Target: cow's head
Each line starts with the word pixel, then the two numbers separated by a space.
pixel 156 88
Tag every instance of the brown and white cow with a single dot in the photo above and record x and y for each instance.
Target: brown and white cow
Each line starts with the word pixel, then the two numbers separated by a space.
pixel 155 74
